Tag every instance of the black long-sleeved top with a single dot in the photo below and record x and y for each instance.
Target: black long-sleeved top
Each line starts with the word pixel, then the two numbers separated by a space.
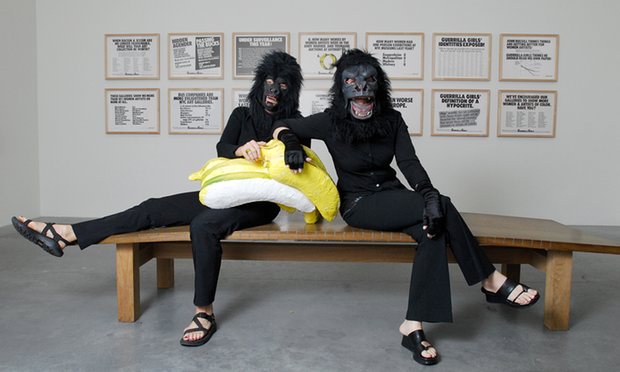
pixel 364 168
pixel 242 127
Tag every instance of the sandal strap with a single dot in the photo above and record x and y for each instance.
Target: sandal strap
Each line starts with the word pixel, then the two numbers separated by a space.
pixel 203 315
pixel 419 337
pixel 506 289
pixel 49 226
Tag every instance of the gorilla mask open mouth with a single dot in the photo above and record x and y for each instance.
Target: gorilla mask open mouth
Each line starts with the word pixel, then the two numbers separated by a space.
pixel 362 107
pixel 271 101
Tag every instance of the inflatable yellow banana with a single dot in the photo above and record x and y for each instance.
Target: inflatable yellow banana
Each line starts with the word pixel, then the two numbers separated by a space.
pixel 314 182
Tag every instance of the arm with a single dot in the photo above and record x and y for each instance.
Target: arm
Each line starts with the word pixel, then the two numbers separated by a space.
pixel 228 143
pixel 229 147
pixel 414 172
pixel 287 131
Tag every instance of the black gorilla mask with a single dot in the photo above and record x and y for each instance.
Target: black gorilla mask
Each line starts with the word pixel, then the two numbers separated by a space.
pixel 359 84
pixel 274 89
pixel 277 70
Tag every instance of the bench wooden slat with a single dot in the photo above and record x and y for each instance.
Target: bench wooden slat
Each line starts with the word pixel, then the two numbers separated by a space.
pixel 490 230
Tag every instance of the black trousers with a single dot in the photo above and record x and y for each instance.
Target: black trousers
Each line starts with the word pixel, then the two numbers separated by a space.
pixel 207 227
pixel 429 291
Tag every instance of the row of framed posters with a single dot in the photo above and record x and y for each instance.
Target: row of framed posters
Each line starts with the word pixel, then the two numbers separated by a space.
pixel 456 56
pixel 520 113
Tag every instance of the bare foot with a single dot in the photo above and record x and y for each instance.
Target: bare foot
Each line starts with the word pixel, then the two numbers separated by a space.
pixel 497 279
pixel 65 231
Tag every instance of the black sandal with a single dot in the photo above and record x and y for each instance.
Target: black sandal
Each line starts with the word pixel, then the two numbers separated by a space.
pixel 200 328
pixel 50 245
pixel 501 296
pixel 413 342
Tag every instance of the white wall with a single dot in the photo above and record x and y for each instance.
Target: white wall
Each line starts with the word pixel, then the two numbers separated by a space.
pixel 573 178
pixel 19 140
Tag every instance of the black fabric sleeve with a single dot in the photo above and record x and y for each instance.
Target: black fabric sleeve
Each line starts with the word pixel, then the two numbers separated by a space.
pixel 312 127
pixel 407 160
pixel 229 141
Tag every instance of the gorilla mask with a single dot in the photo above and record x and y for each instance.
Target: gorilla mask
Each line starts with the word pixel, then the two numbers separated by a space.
pixel 277 85
pixel 273 90
pixel 359 84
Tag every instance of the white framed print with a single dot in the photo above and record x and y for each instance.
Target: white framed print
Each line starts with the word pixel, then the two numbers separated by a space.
pixel 526 113
pixel 318 51
pixel 313 101
pixel 131 56
pixel 462 56
pixel 132 111
pixel 401 54
pixel 195 55
pixel 240 97
pixel 529 57
pixel 250 47
pixel 196 111
pixel 460 112
pixel 410 104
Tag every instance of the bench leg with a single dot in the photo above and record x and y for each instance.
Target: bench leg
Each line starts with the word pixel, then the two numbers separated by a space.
pixel 128 281
pixel 557 290
pixel 165 272
pixel 512 271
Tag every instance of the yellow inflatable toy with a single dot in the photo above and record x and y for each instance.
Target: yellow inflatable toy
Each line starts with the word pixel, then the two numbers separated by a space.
pixel 230 182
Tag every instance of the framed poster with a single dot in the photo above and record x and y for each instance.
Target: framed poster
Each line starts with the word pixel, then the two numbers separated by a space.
pixel 526 113
pixel 249 48
pixel 240 98
pixel 462 112
pixel 461 56
pixel 401 54
pixel 131 56
pixel 528 57
pixel 318 51
pixel 196 56
pixel 132 111
pixel 196 111
pixel 312 101
pixel 410 103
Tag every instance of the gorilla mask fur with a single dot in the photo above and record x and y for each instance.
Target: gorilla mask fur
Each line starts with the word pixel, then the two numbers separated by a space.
pixel 359 94
pixel 276 87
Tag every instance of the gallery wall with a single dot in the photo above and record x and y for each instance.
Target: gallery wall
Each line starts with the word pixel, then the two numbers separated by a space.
pixel 572 178
pixel 19 140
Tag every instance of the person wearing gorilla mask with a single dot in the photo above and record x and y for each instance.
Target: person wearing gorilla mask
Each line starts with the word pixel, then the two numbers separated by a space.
pixel 363 133
pixel 274 95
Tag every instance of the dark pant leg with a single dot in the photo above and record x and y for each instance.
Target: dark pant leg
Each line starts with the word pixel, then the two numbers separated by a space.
pixel 178 209
pixel 401 210
pixel 472 260
pixel 206 230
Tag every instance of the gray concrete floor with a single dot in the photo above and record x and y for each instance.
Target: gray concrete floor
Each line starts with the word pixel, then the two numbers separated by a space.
pixel 60 314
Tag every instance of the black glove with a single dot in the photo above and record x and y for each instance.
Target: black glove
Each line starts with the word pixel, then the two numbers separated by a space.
pixel 432 217
pixel 294 155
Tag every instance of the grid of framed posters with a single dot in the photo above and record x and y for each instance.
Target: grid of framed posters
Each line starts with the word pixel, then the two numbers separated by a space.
pixel 528 57
pixel 526 113
pixel 461 56
pixel 131 56
pixel 249 48
pixel 401 54
pixel 410 103
pixel 460 112
pixel 132 110
pixel 196 111
pixel 196 56
pixel 318 51
pixel 312 101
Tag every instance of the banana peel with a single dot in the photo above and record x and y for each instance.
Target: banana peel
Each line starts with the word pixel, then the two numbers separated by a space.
pixel 313 181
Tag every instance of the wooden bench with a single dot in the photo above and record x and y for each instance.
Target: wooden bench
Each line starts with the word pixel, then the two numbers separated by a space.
pixel 511 241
